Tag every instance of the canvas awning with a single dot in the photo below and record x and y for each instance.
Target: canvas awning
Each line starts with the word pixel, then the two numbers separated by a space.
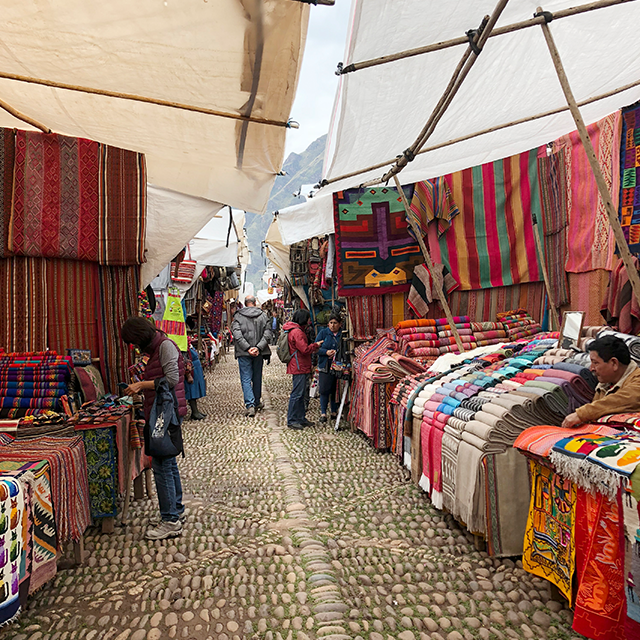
pixel 501 105
pixel 306 220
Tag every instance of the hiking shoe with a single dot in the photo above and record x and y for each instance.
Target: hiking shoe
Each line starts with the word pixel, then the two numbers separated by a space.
pixel 164 530
pixel 251 411
pixel 260 406
pixel 323 418
pixel 308 423
pixel 296 425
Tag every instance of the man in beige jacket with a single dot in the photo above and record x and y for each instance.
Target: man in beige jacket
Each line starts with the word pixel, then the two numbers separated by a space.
pixel 619 378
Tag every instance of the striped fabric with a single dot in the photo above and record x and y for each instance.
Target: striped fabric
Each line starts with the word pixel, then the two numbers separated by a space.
pixel 432 200
pixel 491 243
pixel 7 159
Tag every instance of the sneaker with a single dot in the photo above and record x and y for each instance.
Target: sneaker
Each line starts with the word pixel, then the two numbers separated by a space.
pixel 164 530
pixel 251 412
pixel 296 425
pixel 308 423
pixel 323 418
pixel 260 406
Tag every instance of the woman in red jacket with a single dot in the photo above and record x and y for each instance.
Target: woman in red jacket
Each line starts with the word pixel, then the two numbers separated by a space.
pixel 299 367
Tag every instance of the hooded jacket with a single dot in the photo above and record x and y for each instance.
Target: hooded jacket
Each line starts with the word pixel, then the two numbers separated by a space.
pixel 251 328
pixel 300 349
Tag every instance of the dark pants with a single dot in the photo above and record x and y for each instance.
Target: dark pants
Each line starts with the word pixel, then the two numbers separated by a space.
pixel 168 487
pixel 327 388
pixel 251 379
pixel 298 400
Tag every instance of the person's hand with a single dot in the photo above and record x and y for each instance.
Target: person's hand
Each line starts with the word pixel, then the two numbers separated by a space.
pixel 254 351
pixel 571 420
pixel 331 353
pixel 134 388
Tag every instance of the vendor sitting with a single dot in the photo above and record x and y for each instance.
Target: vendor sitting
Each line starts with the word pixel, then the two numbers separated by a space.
pixel 619 378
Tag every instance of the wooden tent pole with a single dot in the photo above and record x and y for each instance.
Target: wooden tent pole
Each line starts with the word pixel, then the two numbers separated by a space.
pixel 427 258
pixel 612 214
pixel 21 116
pixel 555 319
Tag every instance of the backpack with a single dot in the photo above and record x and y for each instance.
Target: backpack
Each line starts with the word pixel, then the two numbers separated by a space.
pixel 282 348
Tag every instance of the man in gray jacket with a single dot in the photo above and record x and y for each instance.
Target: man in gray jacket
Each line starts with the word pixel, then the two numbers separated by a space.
pixel 251 336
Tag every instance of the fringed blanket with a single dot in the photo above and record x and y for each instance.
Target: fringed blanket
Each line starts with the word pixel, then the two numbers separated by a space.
pixel 540 440
pixel 549 547
pixel 13 539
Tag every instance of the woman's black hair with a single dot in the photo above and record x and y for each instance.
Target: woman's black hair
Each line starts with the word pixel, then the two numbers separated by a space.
pixel 138 331
pixel 301 317
pixel 335 317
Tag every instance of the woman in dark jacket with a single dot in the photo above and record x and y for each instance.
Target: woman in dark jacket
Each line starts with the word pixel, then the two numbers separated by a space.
pixel 299 367
pixel 165 361
pixel 330 338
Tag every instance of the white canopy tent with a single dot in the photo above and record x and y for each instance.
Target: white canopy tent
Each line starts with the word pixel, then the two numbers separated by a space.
pixel 204 89
pixel 306 220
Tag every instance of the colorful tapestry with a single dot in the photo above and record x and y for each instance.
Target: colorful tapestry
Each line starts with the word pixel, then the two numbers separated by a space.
pixel 72 320
pixel 426 285
pixel 630 176
pixel 7 159
pixel 600 606
pixel 116 300
pixel 631 520
pixel 24 304
pixel 173 321
pixel 123 206
pixel 491 242
pixel 102 467
pixel 549 545
pixel 395 308
pixel 374 251
pixel 55 202
pixel 592 242
pixel 215 318
pixel 366 314
pixel 587 290
pixel 432 200
pixel 40 557
pixel 12 541
pixel 555 220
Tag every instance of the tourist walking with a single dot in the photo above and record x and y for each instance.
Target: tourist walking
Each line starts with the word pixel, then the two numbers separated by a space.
pixel 251 337
pixel 330 337
pixel 163 374
pixel 299 367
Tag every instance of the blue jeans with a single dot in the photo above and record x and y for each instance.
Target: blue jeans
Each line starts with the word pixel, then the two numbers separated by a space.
pixel 298 399
pixel 169 487
pixel 251 379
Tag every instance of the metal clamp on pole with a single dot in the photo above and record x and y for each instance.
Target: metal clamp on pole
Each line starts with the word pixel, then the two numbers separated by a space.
pixel 547 15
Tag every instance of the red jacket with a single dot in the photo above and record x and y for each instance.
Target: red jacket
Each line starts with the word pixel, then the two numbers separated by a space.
pixel 300 348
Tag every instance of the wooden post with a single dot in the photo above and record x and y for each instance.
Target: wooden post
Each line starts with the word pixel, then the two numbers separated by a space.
pixel 612 214
pixel 427 258
pixel 553 310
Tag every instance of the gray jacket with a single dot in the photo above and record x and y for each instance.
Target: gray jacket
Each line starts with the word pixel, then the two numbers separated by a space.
pixel 250 328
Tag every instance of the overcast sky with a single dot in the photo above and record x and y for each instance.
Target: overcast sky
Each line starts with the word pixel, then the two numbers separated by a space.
pixel 317 86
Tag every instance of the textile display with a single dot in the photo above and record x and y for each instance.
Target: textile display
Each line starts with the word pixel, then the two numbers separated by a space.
pixel 549 544
pixel 215 319
pixel 592 242
pixel 432 200
pixel 173 320
pixel 374 251
pixel 12 541
pixel 630 176
pixel 491 242
pixel 632 341
pixel 116 301
pixel 24 304
pixel 395 307
pixel 620 308
pixel 366 314
pixel 7 160
pixel 40 553
pixel 540 440
pixel 69 486
pixel 122 206
pixel 102 468
pixel 425 286
pixel 555 220
pixel 72 321
pixel 587 290
pixel 600 605
pixel 55 202
pixel 631 521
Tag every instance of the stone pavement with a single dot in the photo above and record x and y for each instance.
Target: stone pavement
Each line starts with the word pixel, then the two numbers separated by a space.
pixel 290 536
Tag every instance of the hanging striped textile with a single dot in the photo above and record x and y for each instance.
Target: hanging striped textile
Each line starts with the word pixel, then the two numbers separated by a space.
pixel 7 160
pixel 432 200
pixel 366 314
pixel 491 243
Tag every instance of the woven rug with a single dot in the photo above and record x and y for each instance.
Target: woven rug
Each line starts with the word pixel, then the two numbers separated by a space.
pixel 600 606
pixel 40 559
pixel 7 160
pixel 629 182
pixel 73 320
pixel 587 291
pixel 592 242
pixel 375 253
pixel 116 301
pixel 102 471
pixel 123 206
pixel 55 202
pixel 491 242
pixel 24 304
pixel 549 547
pixel 12 540
pixel 366 314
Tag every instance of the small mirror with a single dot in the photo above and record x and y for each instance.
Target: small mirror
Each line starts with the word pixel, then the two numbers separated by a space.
pixel 571 329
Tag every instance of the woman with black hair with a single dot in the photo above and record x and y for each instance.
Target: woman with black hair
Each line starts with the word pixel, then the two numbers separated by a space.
pixel 299 367
pixel 330 338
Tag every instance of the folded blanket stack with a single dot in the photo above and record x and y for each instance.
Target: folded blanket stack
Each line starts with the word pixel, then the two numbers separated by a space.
pixel 32 382
pixel 633 342
pixel 518 324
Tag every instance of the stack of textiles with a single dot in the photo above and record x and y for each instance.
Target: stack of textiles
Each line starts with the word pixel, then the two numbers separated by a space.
pixel 488 333
pixel 633 342
pixel 518 324
pixel 69 486
pixel 32 382
pixel 434 337
pixel 47 423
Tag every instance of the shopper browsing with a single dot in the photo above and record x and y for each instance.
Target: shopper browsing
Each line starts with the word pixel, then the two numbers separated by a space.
pixel 330 338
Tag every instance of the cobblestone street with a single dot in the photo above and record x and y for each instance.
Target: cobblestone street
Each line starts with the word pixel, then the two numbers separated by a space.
pixel 290 536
